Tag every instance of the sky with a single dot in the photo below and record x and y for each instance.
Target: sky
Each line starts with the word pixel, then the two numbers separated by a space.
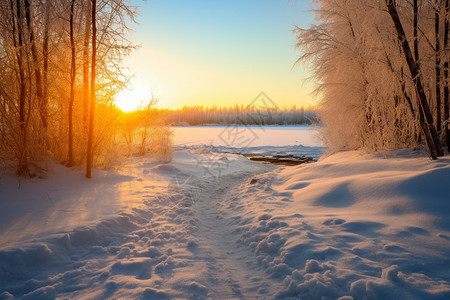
pixel 217 52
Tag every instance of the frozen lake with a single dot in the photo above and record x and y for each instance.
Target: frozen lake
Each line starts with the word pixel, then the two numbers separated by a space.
pixel 247 136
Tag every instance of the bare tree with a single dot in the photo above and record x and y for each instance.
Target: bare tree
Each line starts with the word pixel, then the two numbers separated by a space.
pixel 446 79
pixel 73 73
pixel 45 56
pixel 18 45
pixel 36 64
pixel 39 45
pixel 89 155
pixel 415 25
pixel 437 17
pixel 416 52
pixel 87 33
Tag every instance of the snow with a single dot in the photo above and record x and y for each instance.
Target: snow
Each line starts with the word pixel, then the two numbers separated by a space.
pixel 296 140
pixel 215 225
pixel 366 226
pixel 267 135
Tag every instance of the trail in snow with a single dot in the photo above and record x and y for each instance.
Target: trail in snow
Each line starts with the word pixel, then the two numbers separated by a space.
pixel 164 240
pixel 233 271
pixel 212 225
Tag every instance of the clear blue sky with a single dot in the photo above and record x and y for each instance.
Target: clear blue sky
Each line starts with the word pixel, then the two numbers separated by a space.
pixel 218 52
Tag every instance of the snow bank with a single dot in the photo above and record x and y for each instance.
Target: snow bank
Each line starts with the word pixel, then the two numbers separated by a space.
pixel 120 257
pixel 216 225
pixel 353 225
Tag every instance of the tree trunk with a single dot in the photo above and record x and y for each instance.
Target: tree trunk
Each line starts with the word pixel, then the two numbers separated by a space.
pixel 86 68
pixel 18 43
pixel 37 71
pixel 93 100
pixel 445 79
pixel 415 24
pixel 416 58
pixel 429 131
pixel 72 85
pixel 437 69
pixel 45 67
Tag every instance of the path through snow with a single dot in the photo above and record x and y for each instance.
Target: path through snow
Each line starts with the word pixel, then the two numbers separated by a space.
pixel 171 235
pixel 233 270
pixel 213 225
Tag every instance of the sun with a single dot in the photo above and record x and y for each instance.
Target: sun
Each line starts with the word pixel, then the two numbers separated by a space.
pixel 132 99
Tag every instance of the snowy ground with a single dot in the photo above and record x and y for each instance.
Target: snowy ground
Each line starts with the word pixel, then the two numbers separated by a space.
pixel 264 140
pixel 247 136
pixel 214 225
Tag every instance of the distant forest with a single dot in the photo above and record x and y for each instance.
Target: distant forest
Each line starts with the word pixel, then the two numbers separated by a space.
pixel 199 115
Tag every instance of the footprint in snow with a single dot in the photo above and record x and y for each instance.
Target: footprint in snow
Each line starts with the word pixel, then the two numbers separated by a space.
pixel 330 222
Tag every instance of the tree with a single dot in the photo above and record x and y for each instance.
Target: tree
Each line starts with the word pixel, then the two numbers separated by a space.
pixel 89 155
pixel 36 64
pixel 429 131
pixel 45 57
pixel 73 73
pixel 39 45
pixel 437 17
pixel 446 79
pixel 358 60
pixel 87 32
pixel 18 45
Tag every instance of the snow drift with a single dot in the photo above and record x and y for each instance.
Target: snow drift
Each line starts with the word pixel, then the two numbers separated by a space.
pixel 354 225
pixel 350 226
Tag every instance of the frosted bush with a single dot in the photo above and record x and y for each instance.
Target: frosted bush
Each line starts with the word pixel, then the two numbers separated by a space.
pixel 162 143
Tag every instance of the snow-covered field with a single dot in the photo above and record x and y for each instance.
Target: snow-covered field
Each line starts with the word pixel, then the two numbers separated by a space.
pixel 214 225
pixel 265 140
pixel 247 136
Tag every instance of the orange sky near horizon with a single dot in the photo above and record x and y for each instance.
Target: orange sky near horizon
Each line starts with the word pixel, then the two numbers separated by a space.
pixel 217 54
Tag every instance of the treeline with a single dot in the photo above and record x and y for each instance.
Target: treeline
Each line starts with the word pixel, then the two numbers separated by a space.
pixel 382 72
pixel 60 61
pixel 246 115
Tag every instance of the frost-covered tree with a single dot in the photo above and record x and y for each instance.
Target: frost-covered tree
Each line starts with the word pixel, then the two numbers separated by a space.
pixel 369 98
pixel 44 50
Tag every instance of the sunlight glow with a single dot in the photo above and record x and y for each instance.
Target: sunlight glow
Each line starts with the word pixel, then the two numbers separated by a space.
pixel 132 99
pixel 197 60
